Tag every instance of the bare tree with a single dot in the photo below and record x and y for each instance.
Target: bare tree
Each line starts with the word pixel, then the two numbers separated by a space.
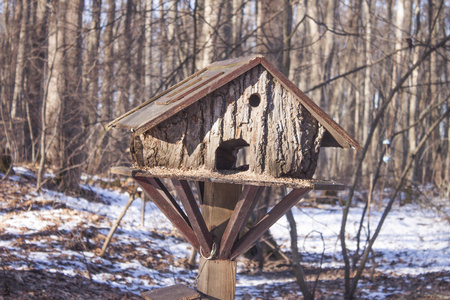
pixel 62 139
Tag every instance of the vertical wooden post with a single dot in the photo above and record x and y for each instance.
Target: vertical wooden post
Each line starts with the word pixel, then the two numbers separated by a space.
pixel 217 278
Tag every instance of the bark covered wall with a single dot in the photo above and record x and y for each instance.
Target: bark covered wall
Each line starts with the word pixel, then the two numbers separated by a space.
pixel 283 138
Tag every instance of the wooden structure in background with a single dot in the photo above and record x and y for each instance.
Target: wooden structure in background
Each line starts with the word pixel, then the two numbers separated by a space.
pixel 194 131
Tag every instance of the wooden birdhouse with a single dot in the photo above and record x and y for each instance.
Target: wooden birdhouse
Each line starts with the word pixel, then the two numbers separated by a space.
pixel 199 129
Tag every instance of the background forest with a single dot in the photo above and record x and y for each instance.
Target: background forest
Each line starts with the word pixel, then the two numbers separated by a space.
pixel 379 68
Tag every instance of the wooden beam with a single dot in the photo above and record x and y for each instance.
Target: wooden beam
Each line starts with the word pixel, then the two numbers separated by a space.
pixel 195 217
pixel 178 291
pixel 267 221
pixel 216 277
pixel 169 208
pixel 156 182
pixel 241 213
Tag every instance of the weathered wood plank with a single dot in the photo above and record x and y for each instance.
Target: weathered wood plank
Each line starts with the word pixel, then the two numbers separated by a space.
pixel 239 218
pixel 245 178
pixel 174 292
pixel 168 208
pixel 217 278
pixel 195 217
pixel 156 182
pixel 267 221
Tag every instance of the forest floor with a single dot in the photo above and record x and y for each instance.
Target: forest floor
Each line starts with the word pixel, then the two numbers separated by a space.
pixel 49 246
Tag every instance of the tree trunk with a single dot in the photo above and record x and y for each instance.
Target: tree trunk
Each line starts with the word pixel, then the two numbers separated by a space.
pixel 211 17
pixel 73 111
pixel 269 24
pixel 237 26
pixel 91 66
pixel 148 45
pixel 63 109
pixel 20 61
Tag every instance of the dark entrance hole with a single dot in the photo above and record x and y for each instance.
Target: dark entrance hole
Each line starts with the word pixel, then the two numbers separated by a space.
pixel 254 100
pixel 228 155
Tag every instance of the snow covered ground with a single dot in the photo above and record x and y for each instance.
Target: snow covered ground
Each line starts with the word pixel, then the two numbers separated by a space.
pixel 60 234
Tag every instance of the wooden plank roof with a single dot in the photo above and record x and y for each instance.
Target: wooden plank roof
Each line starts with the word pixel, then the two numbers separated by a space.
pixel 204 82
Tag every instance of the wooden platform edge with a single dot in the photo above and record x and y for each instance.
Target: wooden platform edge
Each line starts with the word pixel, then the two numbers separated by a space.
pixel 232 178
pixel 174 292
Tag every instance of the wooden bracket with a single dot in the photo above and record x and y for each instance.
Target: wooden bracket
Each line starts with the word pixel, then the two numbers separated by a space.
pixel 239 218
pixel 192 224
pixel 195 217
pixel 170 208
pixel 267 221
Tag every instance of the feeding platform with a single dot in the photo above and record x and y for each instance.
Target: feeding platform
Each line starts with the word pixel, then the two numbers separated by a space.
pixel 230 177
pixel 227 132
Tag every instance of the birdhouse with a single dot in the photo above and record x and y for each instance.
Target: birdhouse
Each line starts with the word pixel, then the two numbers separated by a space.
pixel 232 128
pixel 200 125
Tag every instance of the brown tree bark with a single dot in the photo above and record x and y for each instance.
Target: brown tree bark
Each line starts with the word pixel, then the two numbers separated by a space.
pixel 62 140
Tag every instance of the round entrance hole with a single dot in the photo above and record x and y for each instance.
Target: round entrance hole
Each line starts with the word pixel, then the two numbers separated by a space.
pixel 254 100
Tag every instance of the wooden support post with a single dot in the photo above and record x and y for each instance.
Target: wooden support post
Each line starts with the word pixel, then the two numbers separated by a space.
pixel 217 278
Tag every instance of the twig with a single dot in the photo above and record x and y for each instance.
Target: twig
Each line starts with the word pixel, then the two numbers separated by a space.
pixel 7 172
pixel 298 269
pixel 116 224
pixel 322 255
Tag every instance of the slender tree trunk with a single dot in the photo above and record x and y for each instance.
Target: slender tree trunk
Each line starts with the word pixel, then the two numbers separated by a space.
pixel 63 110
pixel 237 26
pixel 53 101
pixel 298 269
pixel 269 30
pixel 102 145
pixel 148 45
pixel 20 61
pixel 416 95
pixel 170 61
pixel 123 76
pixel 36 73
pixel 209 36
pixel 91 64
pixel 73 141
pixel 90 95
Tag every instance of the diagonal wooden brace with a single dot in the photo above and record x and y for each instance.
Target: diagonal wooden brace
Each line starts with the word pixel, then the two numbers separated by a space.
pixel 169 207
pixel 156 182
pixel 195 217
pixel 267 221
pixel 239 218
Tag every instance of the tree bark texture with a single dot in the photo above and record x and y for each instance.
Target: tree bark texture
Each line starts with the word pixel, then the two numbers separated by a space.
pixel 283 138
pixel 63 109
